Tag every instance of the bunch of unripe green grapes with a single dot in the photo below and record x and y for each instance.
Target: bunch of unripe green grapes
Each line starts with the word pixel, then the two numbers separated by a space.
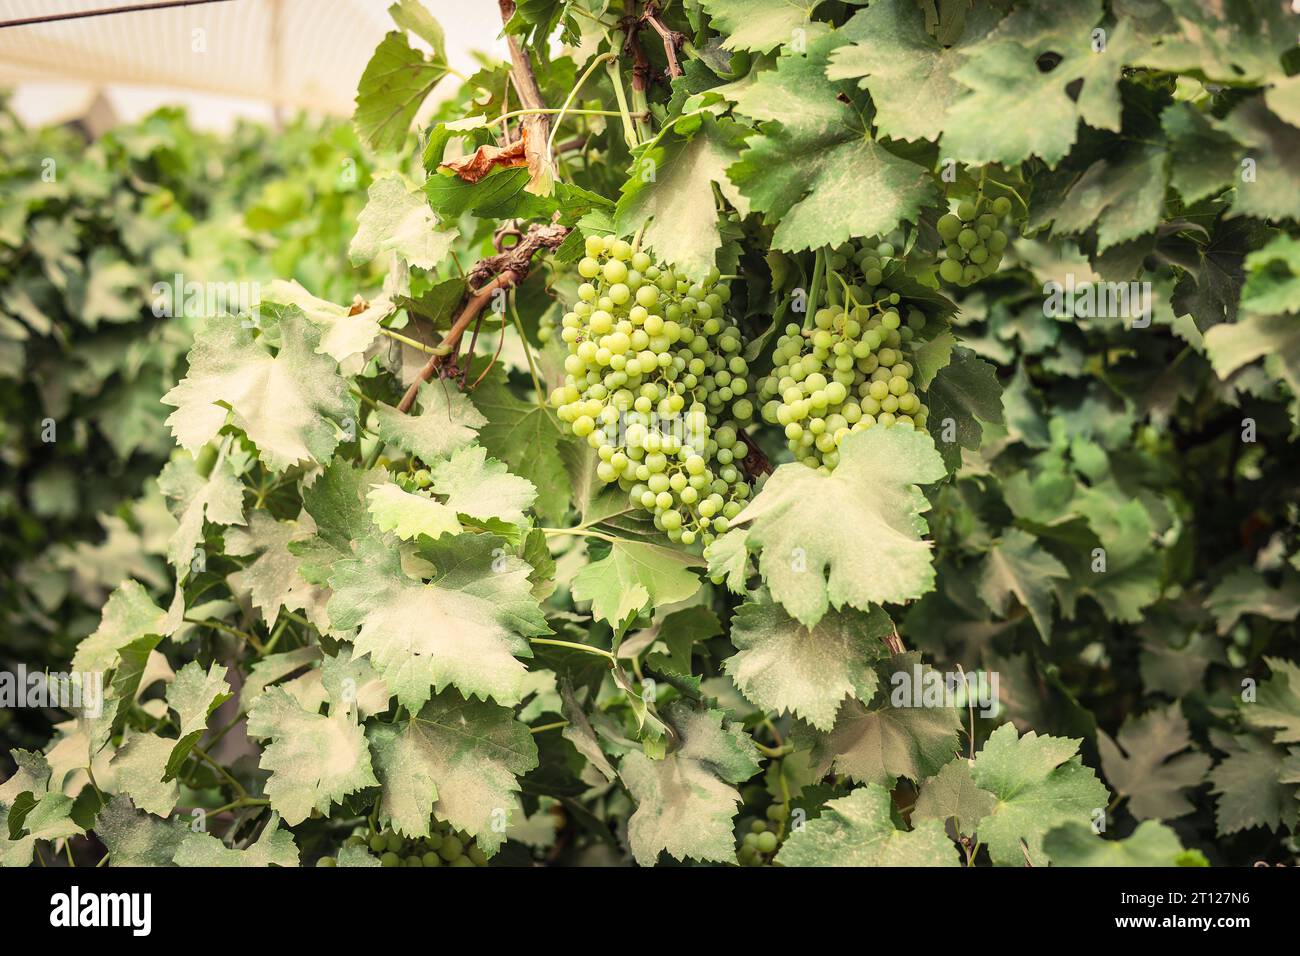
pixel 653 378
pixel 764 837
pixel 443 846
pixel 973 239
pixel 846 374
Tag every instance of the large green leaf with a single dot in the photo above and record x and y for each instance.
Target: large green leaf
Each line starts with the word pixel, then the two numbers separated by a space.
pixel 814 169
pixel 396 81
pixel 670 193
pixel 1015 564
pixel 631 576
pixel 457 759
pixel 871 552
pixel 527 437
pixel 466 627
pixel 858 830
pixel 1151 769
pixel 397 219
pixel 447 421
pixel 762 25
pixel 1039 783
pixel 902 733
pixel 906 70
pixel 1021 105
pixel 780 665
pixel 685 802
pixel 274 847
pixel 1077 844
pixel 291 405
pixel 314 760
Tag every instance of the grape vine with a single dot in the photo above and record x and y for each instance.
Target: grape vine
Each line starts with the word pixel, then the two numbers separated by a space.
pixel 747 434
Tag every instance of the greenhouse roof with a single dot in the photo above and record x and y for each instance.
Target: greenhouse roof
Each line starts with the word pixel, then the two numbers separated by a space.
pixel 222 59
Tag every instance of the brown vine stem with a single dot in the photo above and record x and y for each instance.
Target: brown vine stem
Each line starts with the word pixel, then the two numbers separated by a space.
pixel 472 310
pixel 672 39
pixel 894 642
pixel 537 125
pixel 501 271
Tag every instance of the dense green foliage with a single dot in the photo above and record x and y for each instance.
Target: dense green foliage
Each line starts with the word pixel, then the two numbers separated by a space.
pixel 84 355
pixel 832 434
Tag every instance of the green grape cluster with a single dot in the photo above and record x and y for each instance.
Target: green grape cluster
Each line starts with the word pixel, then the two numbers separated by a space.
pixel 764 837
pixel 654 381
pixel 973 239
pixel 848 373
pixel 444 846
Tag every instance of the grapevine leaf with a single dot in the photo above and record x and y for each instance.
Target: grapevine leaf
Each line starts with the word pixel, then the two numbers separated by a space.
pixel 1122 198
pixel 192 498
pixel 780 665
pixel 1017 565
pixel 356 856
pixel 1077 844
pixel 447 422
pixel 398 219
pixel 462 628
pixel 408 514
pixel 481 487
pixel 872 553
pixel 1250 785
pixel 1273 283
pixel 685 802
pixel 678 202
pixel 930 357
pixel 579 732
pixel 503 194
pixel 900 735
pixel 1271 144
pixel 275 847
pixel 411 15
pixel 907 71
pixel 344 333
pixel 1229 44
pixel 632 575
pixel 962 394
pixel 1042 117
pixel 272 668
pixel 273 580
pixel 395 83
pixel 858 830
pixel 134 838
pixel 1202 159
pixel 729 559
pixel 1277 705
pixel 457 759
pixel 1274 338
pixel 1246 591
pixel 138 769
pixel 1039 783
pixel 952 795
pixel 314 760
pixel 680 632
pixel 128 616
pixel 1146 770
pixel 815 170
pixel 287 404
pixel 761 25
pixel 527 438
pixel 32 774
pixel 194 695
